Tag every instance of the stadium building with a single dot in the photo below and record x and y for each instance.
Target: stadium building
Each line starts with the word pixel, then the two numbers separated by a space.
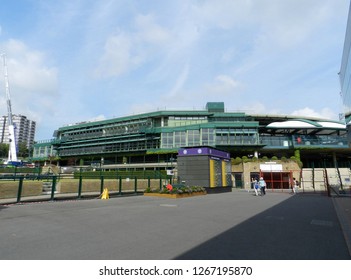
pixel 155 138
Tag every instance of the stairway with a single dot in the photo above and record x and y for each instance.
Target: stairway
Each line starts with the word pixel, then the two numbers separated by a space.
pixel 50 169
pixel 313 179
pixel 316 179
pixel 47 186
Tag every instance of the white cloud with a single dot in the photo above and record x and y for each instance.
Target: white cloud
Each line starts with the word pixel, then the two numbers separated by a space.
pixel 325 113
pixel 33 85
pixel 222 88
pixel 149 31
pixel 146 107
pixel 228 81
pixel 117 58
pixel 27 70
pixel 245 53
pixel 179 82
pixel 286 20
pixel 126 51
pixel 225 14
pixel 97 118
pixel 223 85
pixel 228 55
pixel 255 108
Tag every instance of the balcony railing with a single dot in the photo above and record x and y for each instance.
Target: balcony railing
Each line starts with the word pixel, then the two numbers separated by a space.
pixel 296 141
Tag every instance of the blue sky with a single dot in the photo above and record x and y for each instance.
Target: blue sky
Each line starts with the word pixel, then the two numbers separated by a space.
pixel 81 60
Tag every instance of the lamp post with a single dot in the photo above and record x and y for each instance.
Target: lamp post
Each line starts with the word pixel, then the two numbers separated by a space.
pixel 171 161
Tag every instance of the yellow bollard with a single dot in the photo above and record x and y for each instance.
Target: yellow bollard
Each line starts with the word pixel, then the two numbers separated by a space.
pixel 105 194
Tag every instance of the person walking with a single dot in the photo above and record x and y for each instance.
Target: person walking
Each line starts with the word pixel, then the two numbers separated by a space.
pixel 252 184
pixel 262 184
pixel 295 186
pixel 256 187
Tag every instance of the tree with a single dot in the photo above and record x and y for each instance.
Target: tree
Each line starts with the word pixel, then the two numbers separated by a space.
pixel 23 151
pixel 4 150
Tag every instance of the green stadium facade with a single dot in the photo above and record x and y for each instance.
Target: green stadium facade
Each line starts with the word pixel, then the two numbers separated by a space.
pixel 154 138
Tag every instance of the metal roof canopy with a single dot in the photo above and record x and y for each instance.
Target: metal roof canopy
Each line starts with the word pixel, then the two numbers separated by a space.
pixel 307 127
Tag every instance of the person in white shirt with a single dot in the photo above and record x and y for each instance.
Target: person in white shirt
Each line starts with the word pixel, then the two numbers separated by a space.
pixel 295 186
pixel 263 185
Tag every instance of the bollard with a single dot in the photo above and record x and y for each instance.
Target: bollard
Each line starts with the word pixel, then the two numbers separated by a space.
pixel 102 184
pixel 53 187
pixel 20 185
pixel 120 186
pixel 80 186
pixel 136 185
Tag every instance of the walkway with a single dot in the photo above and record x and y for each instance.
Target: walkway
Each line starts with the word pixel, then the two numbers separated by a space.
pixel 233 225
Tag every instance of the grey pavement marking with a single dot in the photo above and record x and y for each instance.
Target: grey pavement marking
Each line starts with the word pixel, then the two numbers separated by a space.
pixel 278 218
pixel 322 223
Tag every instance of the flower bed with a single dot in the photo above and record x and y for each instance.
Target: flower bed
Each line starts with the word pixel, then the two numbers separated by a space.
pixel 178 192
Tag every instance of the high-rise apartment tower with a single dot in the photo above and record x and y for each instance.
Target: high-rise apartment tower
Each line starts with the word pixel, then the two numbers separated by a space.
pixel 24 130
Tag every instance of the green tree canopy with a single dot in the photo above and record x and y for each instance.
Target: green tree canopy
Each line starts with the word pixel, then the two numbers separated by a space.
pixel 4 150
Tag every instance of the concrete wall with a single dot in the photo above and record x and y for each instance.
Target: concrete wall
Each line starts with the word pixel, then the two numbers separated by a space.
pixel 254 167
pixel 9 189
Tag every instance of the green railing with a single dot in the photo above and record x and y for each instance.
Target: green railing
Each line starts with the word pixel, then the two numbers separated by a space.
pixel 13 171
pixel 117 186
pixel 144 174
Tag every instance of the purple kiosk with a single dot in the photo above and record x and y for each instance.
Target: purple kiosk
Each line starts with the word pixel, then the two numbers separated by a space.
pixel 206 167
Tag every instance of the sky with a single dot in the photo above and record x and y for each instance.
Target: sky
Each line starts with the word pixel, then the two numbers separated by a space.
pixel 70 61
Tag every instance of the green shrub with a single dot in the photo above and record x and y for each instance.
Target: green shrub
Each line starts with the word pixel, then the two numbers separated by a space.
pixel 236 160
pixel 181 190
pixel 245 159
pixel 254 159
pixel 148 190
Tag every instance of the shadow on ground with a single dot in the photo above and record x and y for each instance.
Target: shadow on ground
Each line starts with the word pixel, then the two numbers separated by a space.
pixel 2 207
pixel 304 227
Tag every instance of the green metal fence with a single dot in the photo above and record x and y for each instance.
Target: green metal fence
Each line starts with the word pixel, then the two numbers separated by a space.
pixel 13 171
pixel 140 174
pixel 120 186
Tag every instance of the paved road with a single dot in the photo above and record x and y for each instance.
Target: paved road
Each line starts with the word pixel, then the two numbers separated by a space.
pixel 233 225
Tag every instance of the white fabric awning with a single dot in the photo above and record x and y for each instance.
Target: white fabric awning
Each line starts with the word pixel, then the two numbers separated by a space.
pixel 292 124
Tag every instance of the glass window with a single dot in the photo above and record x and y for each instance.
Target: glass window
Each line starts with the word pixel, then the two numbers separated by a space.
pixel 208 137
pixel 179 139
pixel 167 140
pixel 193 137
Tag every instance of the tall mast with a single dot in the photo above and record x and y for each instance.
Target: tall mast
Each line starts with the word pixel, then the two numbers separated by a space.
pixel 12 140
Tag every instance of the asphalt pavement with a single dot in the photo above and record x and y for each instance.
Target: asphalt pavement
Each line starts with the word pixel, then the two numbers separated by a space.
pixel 236 225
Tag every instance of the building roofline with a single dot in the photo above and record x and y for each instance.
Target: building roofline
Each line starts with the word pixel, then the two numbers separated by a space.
pixel 162 113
